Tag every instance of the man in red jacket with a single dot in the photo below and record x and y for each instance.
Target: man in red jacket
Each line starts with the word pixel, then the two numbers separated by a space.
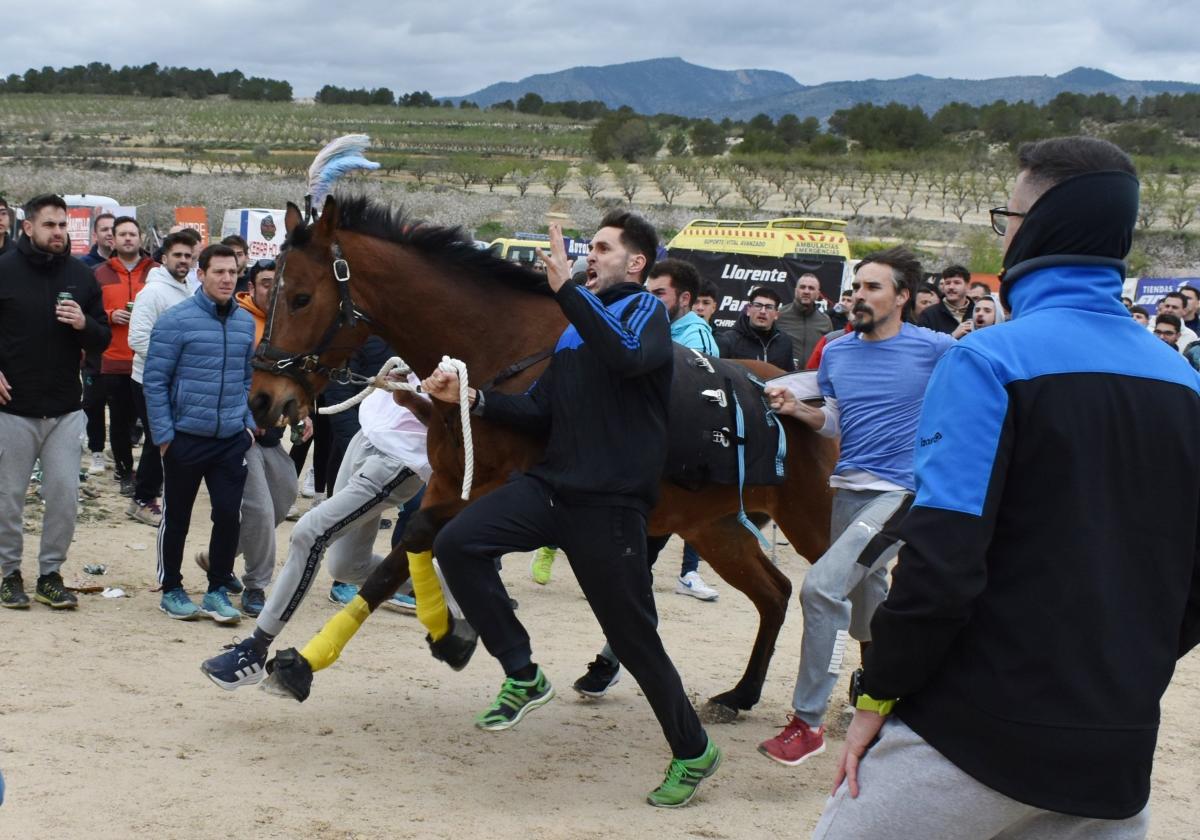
pixel 120 279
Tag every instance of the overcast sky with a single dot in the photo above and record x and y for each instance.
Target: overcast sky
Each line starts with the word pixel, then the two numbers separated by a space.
pixel 451 48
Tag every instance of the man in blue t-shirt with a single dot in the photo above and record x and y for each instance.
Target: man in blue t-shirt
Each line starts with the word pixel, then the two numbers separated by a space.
pixel 873 381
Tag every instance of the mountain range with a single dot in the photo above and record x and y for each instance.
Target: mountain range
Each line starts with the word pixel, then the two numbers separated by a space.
pixel 675 86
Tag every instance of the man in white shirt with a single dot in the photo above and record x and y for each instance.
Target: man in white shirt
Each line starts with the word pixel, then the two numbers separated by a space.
pixel 384 466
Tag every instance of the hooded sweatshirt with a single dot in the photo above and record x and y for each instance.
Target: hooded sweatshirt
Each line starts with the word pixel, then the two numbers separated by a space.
pixel 161 292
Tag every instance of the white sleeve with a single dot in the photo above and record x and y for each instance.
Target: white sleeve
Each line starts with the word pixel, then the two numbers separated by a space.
pixel 141 322
pixel 833 417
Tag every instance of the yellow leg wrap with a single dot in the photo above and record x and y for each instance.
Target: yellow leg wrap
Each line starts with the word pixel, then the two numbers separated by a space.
pixel 325 647
pixel 431 606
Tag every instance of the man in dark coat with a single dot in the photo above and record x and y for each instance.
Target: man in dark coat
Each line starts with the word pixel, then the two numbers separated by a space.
pixel 755 335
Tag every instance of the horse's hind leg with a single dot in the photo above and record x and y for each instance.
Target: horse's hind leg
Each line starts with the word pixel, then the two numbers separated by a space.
pixel 736 556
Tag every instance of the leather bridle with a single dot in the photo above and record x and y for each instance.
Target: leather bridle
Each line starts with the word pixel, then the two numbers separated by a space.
pixel 298 366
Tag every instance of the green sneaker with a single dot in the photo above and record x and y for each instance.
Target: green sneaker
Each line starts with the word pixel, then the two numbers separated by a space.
pixel 515 700
pixel 684 775
pixel 539 568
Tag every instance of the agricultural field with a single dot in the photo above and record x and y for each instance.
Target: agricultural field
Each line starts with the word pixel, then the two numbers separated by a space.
pixel 498 171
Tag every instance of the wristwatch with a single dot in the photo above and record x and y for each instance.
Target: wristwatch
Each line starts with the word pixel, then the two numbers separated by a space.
pixel 861 700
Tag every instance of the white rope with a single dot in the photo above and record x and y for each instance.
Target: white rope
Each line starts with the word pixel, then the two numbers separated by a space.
pixel 397 365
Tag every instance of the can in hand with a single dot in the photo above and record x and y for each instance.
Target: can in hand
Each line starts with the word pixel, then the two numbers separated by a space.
pixel 129 306
pixel 64 296
pixel 297 434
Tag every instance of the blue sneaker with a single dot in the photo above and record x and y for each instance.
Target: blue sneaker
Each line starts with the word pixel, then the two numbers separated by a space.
pixel 217 607
pixel 342 593
pixel 176 604
pixel 253 602
pixel 401 603
pixel 241 664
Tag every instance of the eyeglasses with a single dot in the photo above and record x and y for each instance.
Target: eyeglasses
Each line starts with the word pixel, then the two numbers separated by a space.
pixel 765 307
pixel 1000 218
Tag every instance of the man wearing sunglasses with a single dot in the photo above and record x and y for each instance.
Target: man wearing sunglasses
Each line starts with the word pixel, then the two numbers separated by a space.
pixel 1013 685
pixel 755 335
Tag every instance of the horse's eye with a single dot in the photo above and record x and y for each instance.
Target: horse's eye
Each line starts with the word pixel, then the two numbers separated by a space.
pixel 300 301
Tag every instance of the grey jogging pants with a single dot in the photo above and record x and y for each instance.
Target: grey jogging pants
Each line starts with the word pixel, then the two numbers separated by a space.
pixel 271 488
pixel 908 789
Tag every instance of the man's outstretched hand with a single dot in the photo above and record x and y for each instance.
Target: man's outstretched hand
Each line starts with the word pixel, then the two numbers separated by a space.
pixel 558 268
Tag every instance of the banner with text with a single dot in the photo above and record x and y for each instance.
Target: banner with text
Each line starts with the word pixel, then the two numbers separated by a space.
pixel 737 275
pixel 195 218
pixel 262 229
pixel 1150 290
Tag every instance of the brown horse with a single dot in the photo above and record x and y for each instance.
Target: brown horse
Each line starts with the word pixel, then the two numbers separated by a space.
pixel 428 292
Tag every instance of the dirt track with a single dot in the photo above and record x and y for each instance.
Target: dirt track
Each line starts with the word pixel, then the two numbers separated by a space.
pixel 109 730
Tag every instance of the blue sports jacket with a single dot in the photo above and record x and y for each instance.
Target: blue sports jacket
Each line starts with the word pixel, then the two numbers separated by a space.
pixel 1049 578
pixel 197 376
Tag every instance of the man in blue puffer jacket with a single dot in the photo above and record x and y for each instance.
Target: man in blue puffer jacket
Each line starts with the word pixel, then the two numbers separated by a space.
pixel 196 381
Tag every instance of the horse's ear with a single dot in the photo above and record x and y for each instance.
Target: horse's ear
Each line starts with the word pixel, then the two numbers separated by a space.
pixel 293 218
pixel 327 224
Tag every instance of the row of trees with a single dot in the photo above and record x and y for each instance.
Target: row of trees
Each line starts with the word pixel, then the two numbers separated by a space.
pixel 148 80
pixel 334 95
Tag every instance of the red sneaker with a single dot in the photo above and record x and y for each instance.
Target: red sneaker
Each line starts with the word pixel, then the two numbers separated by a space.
pixel 797 743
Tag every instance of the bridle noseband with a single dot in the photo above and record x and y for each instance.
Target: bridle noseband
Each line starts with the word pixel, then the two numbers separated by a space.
pixel 297 366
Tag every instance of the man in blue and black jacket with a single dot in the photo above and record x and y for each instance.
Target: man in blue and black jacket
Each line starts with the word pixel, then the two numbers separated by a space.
pixel 196 381
pixel 602 403
pixel 1029 633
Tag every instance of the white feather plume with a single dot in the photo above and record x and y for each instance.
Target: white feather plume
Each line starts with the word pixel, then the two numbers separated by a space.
pixel 342 155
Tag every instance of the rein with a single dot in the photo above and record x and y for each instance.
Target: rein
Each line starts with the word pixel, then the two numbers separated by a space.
pixel 296 366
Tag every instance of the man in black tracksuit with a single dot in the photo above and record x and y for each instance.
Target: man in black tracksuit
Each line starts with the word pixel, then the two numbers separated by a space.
pixel 603 405
pixel 1030 632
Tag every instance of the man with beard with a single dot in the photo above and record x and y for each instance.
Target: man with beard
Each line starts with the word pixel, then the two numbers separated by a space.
pixel 755 335
pixel 50 311
pixel 873 381
pixel 803 321
pixel 953 314
pixel 1019 663
pixel 120 280
pixel 166 285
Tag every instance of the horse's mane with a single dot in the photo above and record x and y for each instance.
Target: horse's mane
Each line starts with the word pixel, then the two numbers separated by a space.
pixel 449 246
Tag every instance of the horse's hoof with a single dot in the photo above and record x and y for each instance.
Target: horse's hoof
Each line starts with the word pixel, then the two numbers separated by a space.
pixel 457 646
pixel 716 712
pixel 289 675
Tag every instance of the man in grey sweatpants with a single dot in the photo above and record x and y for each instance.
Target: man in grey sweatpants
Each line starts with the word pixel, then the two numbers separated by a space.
pixel 873 381
pixel 50 312
pixel 385 465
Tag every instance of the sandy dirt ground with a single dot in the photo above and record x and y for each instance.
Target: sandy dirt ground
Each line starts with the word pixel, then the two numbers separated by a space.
pixel 109 730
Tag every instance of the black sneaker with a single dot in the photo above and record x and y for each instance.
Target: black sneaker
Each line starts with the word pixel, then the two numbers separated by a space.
pixel 253 601
pixel 600 677
pixel 51 592
pixel 12 592
pixel 128 486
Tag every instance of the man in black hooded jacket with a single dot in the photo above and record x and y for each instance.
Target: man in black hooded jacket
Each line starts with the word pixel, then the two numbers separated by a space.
pixel 50 313
pixel 1029 635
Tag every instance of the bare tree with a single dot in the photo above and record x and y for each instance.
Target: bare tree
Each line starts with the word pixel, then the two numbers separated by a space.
pixel 752 192
pixel 1153 197
pixel 523 178
pixel 591 180
pixel 667 180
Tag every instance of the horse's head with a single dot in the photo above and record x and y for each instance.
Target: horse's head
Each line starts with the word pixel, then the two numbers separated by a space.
pixel 312 327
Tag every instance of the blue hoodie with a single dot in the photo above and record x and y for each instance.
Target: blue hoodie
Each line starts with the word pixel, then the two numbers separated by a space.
pixel 693 331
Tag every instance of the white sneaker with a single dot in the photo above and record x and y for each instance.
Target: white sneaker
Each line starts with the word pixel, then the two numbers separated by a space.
pixel 293 513
pixel 309 486
pixel 317 499
pixel 97 466
pixel 692 584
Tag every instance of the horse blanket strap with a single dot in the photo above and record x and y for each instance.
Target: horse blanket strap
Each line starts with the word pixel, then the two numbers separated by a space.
pixel 517 367
pixel 741 464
